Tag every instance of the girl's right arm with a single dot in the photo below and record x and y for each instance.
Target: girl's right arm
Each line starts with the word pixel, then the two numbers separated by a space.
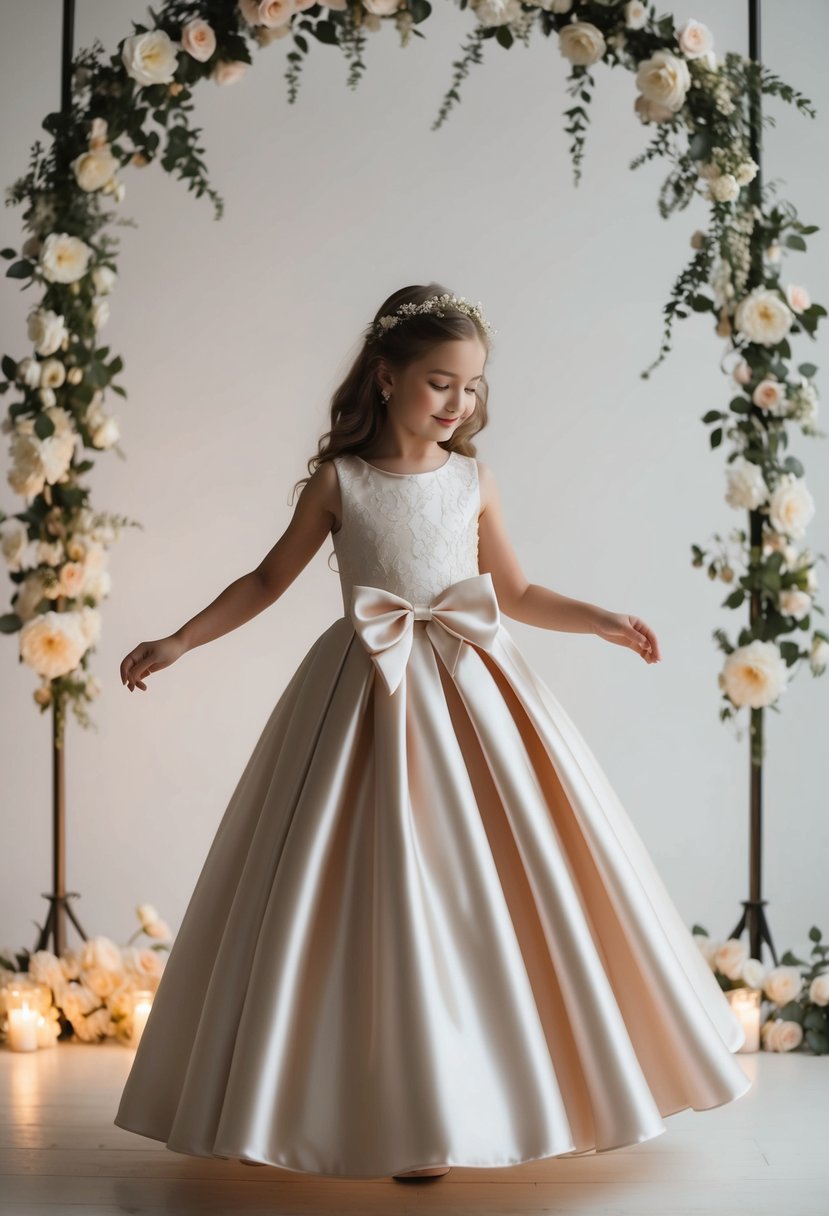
pixel 316 512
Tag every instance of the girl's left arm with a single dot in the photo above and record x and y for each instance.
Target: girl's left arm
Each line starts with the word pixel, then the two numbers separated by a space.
pixel 541 606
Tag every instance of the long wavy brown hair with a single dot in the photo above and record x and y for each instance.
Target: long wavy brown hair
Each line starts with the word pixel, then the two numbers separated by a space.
pixel 357 408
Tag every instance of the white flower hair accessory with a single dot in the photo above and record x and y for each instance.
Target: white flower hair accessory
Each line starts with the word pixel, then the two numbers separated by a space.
pixel 434 305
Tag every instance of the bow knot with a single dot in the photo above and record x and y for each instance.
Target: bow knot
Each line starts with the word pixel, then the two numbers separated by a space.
pixel 466 611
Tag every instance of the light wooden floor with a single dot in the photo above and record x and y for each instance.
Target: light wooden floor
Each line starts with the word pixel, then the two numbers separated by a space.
pixel 766 1154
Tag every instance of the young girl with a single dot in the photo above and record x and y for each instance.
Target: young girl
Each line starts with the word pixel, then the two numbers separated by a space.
pixel 426 932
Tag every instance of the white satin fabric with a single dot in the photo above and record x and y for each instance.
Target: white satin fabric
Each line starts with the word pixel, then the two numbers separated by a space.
pixel 426 931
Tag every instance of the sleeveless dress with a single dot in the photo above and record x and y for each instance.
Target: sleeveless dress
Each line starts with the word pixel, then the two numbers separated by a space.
pixel 426 931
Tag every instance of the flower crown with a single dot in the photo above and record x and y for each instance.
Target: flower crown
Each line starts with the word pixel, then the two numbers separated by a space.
pixel 434 305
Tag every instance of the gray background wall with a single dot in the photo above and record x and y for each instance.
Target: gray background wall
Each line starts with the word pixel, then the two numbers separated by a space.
pixel 234 335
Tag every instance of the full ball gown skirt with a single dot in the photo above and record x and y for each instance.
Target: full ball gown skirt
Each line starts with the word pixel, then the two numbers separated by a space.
pixel 426 931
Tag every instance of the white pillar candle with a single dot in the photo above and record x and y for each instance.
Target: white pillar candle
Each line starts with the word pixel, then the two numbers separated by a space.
pixel 140 1013
pixel 745 1004
pixel 23 1028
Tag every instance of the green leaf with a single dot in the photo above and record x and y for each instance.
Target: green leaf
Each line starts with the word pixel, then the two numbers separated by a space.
pixel 715 438
pixel 44 426
pixel 10 622
pixel 793 241
pixel 20 270
pixel 807 369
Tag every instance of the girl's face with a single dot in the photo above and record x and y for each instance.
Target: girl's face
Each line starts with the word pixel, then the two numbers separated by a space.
pixel 439 386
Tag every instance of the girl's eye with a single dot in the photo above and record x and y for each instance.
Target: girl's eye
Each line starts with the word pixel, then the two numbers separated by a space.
pixel 441 387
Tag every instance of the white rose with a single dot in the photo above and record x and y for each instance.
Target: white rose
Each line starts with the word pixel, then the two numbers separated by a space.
pixel 747 171
pixel 101 980
pixel 581 42
pixel 791 506
pixel 561 6
pixel 14 547
pixel 636 14
pixel 100 313
pixel 45 967
pixel 819 989
pixel 724 189
pixel 795 603
pixel 28 372
pixel 105 434
pixel 46 329
pixel 198 39
pixel 664 79
pixel 651 111
pixel 730 957
pixel 819 655
pixel 64 258
pixel 52 373
pixel 385 8
pixel 158 929
pixel 754 675
pixel 100 951
pixel 783 984
pixel 50 553
pixel 103 279
pixel 754 973
pixel 695 39
pixel 52 643
pixel 150 58
pixel 90 624
pixel 93 169
pixel 763 317
pixel 27 475
pixel 146 913
pixel 746 486
pixel 29 594
pixel 98 585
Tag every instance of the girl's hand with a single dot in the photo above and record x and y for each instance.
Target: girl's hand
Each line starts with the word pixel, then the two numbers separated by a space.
pixel 629 631
pixel 147 657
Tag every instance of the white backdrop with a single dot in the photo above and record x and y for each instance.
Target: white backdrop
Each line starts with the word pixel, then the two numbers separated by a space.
pixel 235 333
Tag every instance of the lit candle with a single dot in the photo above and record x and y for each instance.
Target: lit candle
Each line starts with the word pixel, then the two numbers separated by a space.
pixel 140 1012
pixel 745 1004
pixel 23 1028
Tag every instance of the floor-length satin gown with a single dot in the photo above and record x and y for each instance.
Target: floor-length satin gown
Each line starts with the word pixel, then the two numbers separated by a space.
pixel 426 931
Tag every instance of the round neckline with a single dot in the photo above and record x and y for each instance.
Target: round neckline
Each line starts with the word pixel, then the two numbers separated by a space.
pixel 422 473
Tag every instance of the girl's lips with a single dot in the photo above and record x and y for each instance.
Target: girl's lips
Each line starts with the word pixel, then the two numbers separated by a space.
pixel 445 421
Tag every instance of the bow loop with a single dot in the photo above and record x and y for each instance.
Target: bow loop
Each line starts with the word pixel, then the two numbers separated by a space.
pixel 466 611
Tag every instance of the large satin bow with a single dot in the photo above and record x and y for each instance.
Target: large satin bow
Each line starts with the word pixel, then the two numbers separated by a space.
pixel 466 611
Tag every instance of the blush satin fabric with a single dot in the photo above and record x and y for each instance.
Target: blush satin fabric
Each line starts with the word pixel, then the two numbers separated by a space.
pixel 426 931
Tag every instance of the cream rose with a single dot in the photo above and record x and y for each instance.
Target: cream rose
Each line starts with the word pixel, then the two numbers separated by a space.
pixel 708 947
pixel 730 957
pixel 791 506
pixel 582 43
pixel 64 258
pixel 150 58
pixel 769 395
pixel 818 655
pixel 762 316
pixel 636 14
pixel 52 643
pixel 46 329
pixel 724 189
pixel 94 168
pixel 795 603
pixel 783 984
pixel 14 547
pixel 385 8
pixel 754 675
pixel 664 79
pixel 780 1035
pixel 228 71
